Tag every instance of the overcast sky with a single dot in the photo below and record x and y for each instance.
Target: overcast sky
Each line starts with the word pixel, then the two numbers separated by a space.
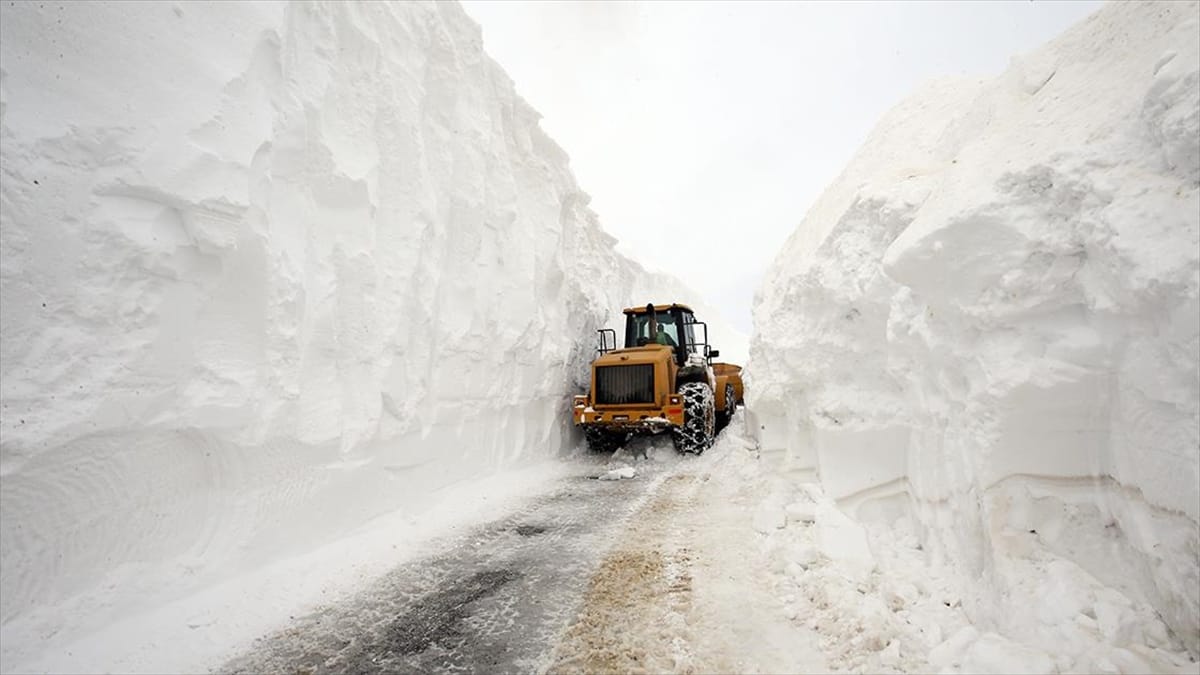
pixel 704 130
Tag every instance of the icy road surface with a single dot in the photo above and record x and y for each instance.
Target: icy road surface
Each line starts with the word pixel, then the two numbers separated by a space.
pixel 645 573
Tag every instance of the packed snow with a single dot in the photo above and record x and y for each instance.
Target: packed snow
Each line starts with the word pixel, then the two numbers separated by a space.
pixel 685 587
pixel 982 347
pixel 271 272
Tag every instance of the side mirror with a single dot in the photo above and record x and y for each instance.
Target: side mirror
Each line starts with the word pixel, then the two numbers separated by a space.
pixel 714 353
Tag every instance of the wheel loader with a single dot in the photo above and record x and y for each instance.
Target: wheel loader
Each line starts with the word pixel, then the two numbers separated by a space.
pixel 662 380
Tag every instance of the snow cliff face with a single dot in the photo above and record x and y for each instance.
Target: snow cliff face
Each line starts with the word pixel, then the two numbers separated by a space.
pixel 271 270
pixel 995 311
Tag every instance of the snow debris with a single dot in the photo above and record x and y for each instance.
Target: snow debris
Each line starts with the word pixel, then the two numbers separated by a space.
pixel 768 517
pixel 801 512
pixel 844 542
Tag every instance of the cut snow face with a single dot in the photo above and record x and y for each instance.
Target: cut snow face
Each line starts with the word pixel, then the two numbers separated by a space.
pixel 293 270
pixel 983 343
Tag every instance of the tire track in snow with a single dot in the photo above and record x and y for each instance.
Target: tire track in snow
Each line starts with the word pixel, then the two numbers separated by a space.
pixel 633 617
pixel 686 588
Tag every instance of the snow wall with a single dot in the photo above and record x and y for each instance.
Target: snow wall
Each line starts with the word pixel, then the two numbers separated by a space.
pixel 991 320
pixel 269 271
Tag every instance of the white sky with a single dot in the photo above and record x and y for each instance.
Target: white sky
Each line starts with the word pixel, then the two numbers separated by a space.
pixel 704 130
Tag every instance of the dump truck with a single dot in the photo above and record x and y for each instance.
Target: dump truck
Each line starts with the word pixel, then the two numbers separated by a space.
pixel 664 379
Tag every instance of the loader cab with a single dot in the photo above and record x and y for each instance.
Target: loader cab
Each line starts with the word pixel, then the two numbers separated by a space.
pixel 675 327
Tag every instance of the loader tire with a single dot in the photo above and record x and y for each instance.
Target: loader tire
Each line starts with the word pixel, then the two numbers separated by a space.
pixel 603 440
pixel 699 419
pixel 726 416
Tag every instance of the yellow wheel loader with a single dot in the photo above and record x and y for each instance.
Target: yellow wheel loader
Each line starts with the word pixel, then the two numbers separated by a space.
pixel 663 379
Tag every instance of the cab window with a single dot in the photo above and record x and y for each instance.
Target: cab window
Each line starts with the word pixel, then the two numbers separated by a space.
pixel 638 331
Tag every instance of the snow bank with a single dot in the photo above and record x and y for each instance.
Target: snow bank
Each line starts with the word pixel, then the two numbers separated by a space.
pixel 994 313
pixel 269 271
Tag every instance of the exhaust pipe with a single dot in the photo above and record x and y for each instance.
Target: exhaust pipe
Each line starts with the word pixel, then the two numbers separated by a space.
pixel 653 322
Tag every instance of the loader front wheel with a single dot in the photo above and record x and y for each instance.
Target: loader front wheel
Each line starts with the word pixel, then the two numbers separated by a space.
pixel 699 419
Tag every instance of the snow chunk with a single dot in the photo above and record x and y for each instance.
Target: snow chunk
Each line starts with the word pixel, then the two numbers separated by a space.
pixel 769 517
pixel 801 512
pixel 992 653
pixel 843 541
pixel 949 654
pixel 618 473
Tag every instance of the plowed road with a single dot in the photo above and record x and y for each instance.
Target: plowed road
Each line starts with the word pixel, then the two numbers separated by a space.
pixel 646 574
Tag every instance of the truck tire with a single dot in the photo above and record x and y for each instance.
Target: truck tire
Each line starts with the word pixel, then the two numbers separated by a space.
pixel 698 428
pixel 726 416
pixel 602 440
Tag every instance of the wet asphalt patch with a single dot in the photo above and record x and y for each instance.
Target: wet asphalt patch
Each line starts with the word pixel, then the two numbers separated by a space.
pixel 436 618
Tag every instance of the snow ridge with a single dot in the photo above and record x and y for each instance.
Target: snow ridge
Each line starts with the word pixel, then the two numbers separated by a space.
pixel 995 311
pixel 269 271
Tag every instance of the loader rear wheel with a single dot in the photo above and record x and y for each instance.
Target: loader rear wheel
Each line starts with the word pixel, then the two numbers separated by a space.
pixel 726 416
pixel 603 440
pixel 699 419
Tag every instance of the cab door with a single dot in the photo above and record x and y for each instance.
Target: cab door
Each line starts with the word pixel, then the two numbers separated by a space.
pixel 687 320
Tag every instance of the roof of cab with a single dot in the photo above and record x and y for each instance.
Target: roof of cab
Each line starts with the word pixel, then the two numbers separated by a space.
pixel 657 308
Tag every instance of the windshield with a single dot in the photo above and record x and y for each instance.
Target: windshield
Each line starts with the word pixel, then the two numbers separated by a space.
pixel 637 332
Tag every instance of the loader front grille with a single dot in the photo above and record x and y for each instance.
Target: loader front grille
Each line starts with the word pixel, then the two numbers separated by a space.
pixel 618 385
